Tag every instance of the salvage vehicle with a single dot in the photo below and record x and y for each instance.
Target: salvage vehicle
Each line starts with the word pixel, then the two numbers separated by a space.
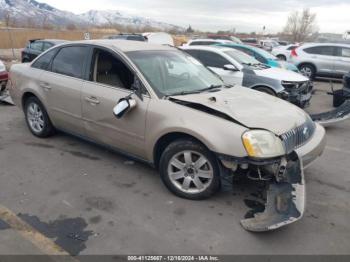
pixel 36 46
pixel 236 67
pixel 263 56
pixel 160 105
pixel 3 77
pixel 322 59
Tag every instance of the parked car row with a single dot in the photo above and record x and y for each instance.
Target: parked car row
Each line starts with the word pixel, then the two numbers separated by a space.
pixel 164 107
pixel 238 68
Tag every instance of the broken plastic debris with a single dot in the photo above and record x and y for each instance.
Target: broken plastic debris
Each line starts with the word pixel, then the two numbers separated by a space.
pixel 285 201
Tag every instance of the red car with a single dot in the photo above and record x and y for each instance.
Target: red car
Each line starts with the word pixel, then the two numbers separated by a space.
pixel 3 77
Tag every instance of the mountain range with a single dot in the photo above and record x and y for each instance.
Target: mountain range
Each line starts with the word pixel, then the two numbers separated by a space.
pixel 33 13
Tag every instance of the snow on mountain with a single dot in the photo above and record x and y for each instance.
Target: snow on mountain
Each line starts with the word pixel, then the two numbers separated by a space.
pixel 110 17
pixel 23 12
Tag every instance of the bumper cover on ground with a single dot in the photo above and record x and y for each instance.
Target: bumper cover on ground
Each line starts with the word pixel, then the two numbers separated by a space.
pixel 285 200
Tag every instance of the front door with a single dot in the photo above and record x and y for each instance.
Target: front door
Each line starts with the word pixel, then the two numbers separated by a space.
pixel 342 60
pixel 111 80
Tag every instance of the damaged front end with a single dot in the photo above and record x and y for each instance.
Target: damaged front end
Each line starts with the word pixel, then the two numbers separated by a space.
pixel 280 199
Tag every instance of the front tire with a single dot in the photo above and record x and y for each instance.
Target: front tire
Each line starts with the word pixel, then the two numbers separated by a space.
pixel 190 170
pixel 37 118
pixel 308 70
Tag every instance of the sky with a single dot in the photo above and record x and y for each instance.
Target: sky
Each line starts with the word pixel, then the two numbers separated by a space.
pixel 333 16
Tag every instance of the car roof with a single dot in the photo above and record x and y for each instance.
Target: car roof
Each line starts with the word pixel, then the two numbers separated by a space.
pixel 211 40
pixel 124 46
pixel 49 40
pixel 324 44
pixel 209 48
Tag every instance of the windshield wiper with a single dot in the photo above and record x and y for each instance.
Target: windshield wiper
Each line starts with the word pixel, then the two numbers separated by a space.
pixel 211 87
pixel 182 93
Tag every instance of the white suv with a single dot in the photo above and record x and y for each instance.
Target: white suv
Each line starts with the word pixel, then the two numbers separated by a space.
pixel 322 59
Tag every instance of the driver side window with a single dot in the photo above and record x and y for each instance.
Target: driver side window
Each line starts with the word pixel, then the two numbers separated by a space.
pixel 109 70
pixel 211 59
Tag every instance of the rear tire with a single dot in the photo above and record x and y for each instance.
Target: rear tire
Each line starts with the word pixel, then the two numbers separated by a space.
pixel 190 170
pixel 37 118
pixel 308 70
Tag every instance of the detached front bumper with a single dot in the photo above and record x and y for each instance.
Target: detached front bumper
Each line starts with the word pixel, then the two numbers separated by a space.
pixel 279 199
pixel 284 199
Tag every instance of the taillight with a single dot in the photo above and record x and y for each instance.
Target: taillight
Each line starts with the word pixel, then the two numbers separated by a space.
pixel 294 53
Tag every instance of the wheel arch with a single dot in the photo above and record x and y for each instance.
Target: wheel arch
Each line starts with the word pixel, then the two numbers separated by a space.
pixel 168 138
pixel 308 63
pixel 27 95
pixel 264 86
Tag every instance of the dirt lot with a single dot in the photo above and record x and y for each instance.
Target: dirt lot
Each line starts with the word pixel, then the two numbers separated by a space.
pixel 91 201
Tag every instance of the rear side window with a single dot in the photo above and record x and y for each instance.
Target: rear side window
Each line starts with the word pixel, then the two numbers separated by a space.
pixel 47 46
pixel 37 46
pixel 43 61
pixel 136 38
pixel 70 60
pixel 320 50
pixel 211 59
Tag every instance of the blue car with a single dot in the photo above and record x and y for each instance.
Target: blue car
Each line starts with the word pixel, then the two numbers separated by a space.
pixel 262 56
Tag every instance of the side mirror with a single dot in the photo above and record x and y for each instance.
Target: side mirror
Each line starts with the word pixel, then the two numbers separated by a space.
pixel 230 68
pixel 124 105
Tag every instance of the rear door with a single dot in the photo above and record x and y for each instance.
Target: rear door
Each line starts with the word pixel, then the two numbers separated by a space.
pixel 216 63
pixel 62 86
pixel 342 60
pixel 110 79
pixel 323 57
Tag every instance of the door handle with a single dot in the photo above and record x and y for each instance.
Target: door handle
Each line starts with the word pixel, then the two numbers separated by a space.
pixel 92 100
pixel 45 85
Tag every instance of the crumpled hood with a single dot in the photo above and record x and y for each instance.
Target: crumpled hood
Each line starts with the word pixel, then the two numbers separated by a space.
pixel 281 74
pixel 251 108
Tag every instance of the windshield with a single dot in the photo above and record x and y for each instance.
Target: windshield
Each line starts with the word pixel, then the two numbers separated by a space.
pixel 241 57
pixel 173 72
pixel 265 54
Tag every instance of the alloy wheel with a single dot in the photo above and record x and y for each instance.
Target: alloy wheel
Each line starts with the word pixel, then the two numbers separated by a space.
pixel 35 117
pixel 191 172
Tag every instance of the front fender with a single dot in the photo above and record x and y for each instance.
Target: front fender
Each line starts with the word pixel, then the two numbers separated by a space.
pixel 217 134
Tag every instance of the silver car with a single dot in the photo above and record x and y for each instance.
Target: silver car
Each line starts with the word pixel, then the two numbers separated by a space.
pixel 322 59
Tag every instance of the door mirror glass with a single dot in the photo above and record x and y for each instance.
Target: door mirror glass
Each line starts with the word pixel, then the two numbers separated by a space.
pixel 230 68
pixel 124 105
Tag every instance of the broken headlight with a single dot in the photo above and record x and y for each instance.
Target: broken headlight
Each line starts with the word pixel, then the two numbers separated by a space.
pixel 262 144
